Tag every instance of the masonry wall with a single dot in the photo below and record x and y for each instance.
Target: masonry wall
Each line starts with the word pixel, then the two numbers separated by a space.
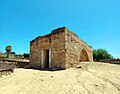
pixel 58 49
pixel 65 48
pixel 55 41
pixel 4 55
pixel 111 61
pixel 74 46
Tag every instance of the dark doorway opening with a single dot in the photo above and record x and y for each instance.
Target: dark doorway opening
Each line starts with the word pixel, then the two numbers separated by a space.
pixel 46 58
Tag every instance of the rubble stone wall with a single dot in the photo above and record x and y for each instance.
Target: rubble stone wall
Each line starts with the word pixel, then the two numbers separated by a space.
pixel 74 46
pixel 4 55
pixel 65 49
pixel 55 42
pixel 111 61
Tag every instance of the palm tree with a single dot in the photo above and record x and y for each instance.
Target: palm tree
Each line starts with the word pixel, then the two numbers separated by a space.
pixel 8 50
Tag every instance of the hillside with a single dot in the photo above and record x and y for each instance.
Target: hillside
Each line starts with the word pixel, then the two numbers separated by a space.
pixel 92 78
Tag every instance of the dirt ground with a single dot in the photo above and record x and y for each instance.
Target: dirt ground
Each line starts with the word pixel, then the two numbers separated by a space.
pixel 92 78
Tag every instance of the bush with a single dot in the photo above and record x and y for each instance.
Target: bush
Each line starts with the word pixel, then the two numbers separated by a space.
pixel 100 54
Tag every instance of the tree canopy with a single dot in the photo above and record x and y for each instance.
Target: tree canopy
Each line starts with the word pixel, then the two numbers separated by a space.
pixel 8 48
pixel 100 54
pixel 26 55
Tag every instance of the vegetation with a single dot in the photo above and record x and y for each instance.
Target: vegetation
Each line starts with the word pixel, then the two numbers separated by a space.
pixel 26 55
pixel 8 50
pixel 100 54
pixel 13 53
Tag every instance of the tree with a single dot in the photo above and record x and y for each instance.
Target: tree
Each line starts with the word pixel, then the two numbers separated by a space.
pixel 13 53
pixel 26 55
pixel 99 54
pixel 8 50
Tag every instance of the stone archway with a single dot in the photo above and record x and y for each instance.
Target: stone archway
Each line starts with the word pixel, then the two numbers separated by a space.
pixel 84 56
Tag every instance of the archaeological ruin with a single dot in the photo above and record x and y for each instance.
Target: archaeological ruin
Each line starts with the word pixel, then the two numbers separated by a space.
pixel 60 49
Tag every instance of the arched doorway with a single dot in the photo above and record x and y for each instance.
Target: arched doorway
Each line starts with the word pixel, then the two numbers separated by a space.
pixel 84 56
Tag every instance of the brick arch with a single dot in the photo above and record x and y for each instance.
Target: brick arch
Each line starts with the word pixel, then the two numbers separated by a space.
pixel 84 56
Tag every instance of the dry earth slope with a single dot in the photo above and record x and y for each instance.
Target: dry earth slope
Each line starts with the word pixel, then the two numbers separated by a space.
pixel 92 78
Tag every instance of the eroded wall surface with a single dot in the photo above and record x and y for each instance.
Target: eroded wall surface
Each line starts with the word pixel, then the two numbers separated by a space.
pixel 56 43
pixel 65 49
pixel 74 46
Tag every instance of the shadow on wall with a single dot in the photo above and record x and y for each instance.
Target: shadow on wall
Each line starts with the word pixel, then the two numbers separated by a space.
pixel 84 56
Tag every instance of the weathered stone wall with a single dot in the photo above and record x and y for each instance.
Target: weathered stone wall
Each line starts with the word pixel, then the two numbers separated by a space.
pixel 74 46
pixel 65 49
pixel 4 55
pixel 55 42
pixel 111 61
pixel 6 68
pixel 58 49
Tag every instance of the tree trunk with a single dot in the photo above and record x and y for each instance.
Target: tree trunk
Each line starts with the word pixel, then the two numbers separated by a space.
pixel 8 53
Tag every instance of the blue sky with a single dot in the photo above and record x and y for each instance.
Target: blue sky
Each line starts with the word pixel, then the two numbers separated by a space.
pixel 97 22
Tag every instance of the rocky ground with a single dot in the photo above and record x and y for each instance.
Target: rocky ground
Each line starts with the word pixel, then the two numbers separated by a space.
pixel 91 78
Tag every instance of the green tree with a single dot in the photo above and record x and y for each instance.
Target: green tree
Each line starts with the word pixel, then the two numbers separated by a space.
pixel 8 50
pixel 99 54
pixel 13 53
pixel 26 55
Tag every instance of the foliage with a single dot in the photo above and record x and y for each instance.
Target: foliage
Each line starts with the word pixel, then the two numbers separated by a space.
pixel 100 54
pixel 8 48
pixel 13 53
pixel 26 55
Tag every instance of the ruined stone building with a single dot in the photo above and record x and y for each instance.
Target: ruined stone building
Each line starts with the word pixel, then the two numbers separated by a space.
pixel 60 49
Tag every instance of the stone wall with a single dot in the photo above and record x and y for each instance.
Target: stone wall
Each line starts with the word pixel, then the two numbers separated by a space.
pixel 6 68
pixel 55 43
pixel 64 50
pixel 112 61
pixel 74 46
pixel 4 55
pixel 58 49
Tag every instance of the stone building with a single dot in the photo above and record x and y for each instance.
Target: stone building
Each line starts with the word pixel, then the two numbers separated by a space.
pixel 60 49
